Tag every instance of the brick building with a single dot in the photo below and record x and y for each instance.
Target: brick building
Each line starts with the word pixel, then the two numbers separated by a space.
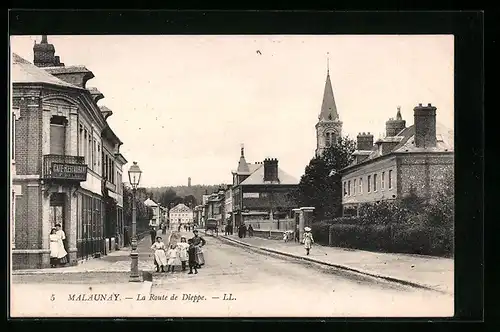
pixel 261 192
pixel 65 161
pixel 414 158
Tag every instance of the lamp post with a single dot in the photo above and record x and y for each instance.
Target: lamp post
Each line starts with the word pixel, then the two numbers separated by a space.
pixel 134 176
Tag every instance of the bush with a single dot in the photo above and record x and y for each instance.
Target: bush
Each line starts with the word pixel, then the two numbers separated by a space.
pixel 402 238
pixel 365 237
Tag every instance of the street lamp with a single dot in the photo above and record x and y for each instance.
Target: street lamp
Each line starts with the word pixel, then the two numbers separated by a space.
pixel 134 176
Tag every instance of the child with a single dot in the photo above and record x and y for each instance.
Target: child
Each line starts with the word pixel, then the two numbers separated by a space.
pixel 192 257
pixel 171 258
pixel 183 254
pixel 160 259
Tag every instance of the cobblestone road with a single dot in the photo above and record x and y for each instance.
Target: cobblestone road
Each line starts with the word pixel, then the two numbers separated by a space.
pixel 259 286
pixel 287 287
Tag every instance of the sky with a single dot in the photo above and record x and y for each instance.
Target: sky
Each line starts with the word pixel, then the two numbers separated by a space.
pixel 183 105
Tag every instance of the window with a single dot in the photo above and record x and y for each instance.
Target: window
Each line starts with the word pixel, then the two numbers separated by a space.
pixel 13 137
pixel 374 182
pixel 360 185
pixel 382 181
pixel 349 188
pixel 369 183
pixel 390 179
pixel 354 188
pixel 57 135
pixel 94 148
pixel 98 156
pixel 345 188
pixel 80 142
pixel 89 149
pixel 13 218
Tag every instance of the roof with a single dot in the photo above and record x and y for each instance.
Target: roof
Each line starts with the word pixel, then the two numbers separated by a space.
pixel 405 143
pixel 180 206
pixel 67 70
pixel 150 202
pixel 328 107
pixel 23 71
pixel 257 177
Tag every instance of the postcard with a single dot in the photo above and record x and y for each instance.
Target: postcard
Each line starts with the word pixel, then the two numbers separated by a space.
pixel 232 176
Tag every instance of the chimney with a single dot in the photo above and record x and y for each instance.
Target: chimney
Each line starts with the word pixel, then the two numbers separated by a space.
pixel 425 126
pixel 364 141
pixel 271 169
pixel 189 182
pixel 395 126
pixel 44 53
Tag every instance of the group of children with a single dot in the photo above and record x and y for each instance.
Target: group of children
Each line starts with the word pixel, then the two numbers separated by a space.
pixel 182 252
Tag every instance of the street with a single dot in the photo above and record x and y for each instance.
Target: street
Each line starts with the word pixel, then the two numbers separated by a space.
pixel 240 282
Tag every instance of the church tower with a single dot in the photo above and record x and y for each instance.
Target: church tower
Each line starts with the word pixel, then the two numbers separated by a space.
pixel 329 126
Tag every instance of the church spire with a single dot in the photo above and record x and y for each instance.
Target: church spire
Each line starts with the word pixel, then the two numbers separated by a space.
pixel 44 39
pixel 328 108
pixel 242 164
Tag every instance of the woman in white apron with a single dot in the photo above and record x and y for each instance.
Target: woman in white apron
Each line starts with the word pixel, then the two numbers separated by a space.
pixel 55 248
pixel 159 252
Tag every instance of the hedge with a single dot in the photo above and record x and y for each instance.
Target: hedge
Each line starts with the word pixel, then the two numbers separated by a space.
pixel 403 238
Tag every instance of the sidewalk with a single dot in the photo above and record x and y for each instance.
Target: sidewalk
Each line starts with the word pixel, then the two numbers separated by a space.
pixel 423 271
pixel 116 261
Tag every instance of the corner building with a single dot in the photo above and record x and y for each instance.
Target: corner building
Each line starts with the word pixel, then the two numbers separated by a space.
pixel 59 172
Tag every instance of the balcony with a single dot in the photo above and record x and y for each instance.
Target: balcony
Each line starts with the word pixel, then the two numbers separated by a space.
pixel 67 168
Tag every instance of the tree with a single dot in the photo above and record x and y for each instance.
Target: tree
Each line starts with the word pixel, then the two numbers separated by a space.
pixel 321 186
pixel 190 200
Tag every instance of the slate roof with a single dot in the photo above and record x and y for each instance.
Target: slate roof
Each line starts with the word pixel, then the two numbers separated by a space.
pixel 328 107
pixel 180 207
pixel 257 177
pixel 23 71
pixel 150 202
pixel 405 140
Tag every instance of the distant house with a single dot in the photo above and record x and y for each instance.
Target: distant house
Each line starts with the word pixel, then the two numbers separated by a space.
pixel 180 215
pixel 415 158
pixel 261 192
pixel 157 212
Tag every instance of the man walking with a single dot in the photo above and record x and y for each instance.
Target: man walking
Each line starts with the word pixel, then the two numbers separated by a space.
pixel 152 233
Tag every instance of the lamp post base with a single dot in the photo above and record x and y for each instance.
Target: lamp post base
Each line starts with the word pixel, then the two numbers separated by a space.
pixel 134 267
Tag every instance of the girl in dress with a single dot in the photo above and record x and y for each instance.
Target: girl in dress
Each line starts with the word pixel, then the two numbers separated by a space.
pixel 160 259
pixel 55 248
pixel 308 239
pixel 183 252
pixel 172 258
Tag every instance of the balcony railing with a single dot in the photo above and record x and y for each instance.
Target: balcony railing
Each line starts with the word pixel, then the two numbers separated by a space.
pixel 62 167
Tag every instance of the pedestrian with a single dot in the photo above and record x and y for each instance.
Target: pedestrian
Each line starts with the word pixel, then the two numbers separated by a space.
pixel 308 239
pixel 199 242
pixel 164 229
pixel 183 252
pixel 63 259
pixel 55 248
pixel 160 259
pixel 240 231
pixel 244 230
pixel 192 257
pixel 172 258
pixel 126 237
pixel 250 231
pixel 152 234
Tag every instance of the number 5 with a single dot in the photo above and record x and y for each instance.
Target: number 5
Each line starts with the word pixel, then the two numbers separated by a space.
pixel 52 297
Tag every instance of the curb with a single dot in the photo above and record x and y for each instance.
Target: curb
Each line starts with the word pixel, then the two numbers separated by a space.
pixel 80 263
pixel 341 267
